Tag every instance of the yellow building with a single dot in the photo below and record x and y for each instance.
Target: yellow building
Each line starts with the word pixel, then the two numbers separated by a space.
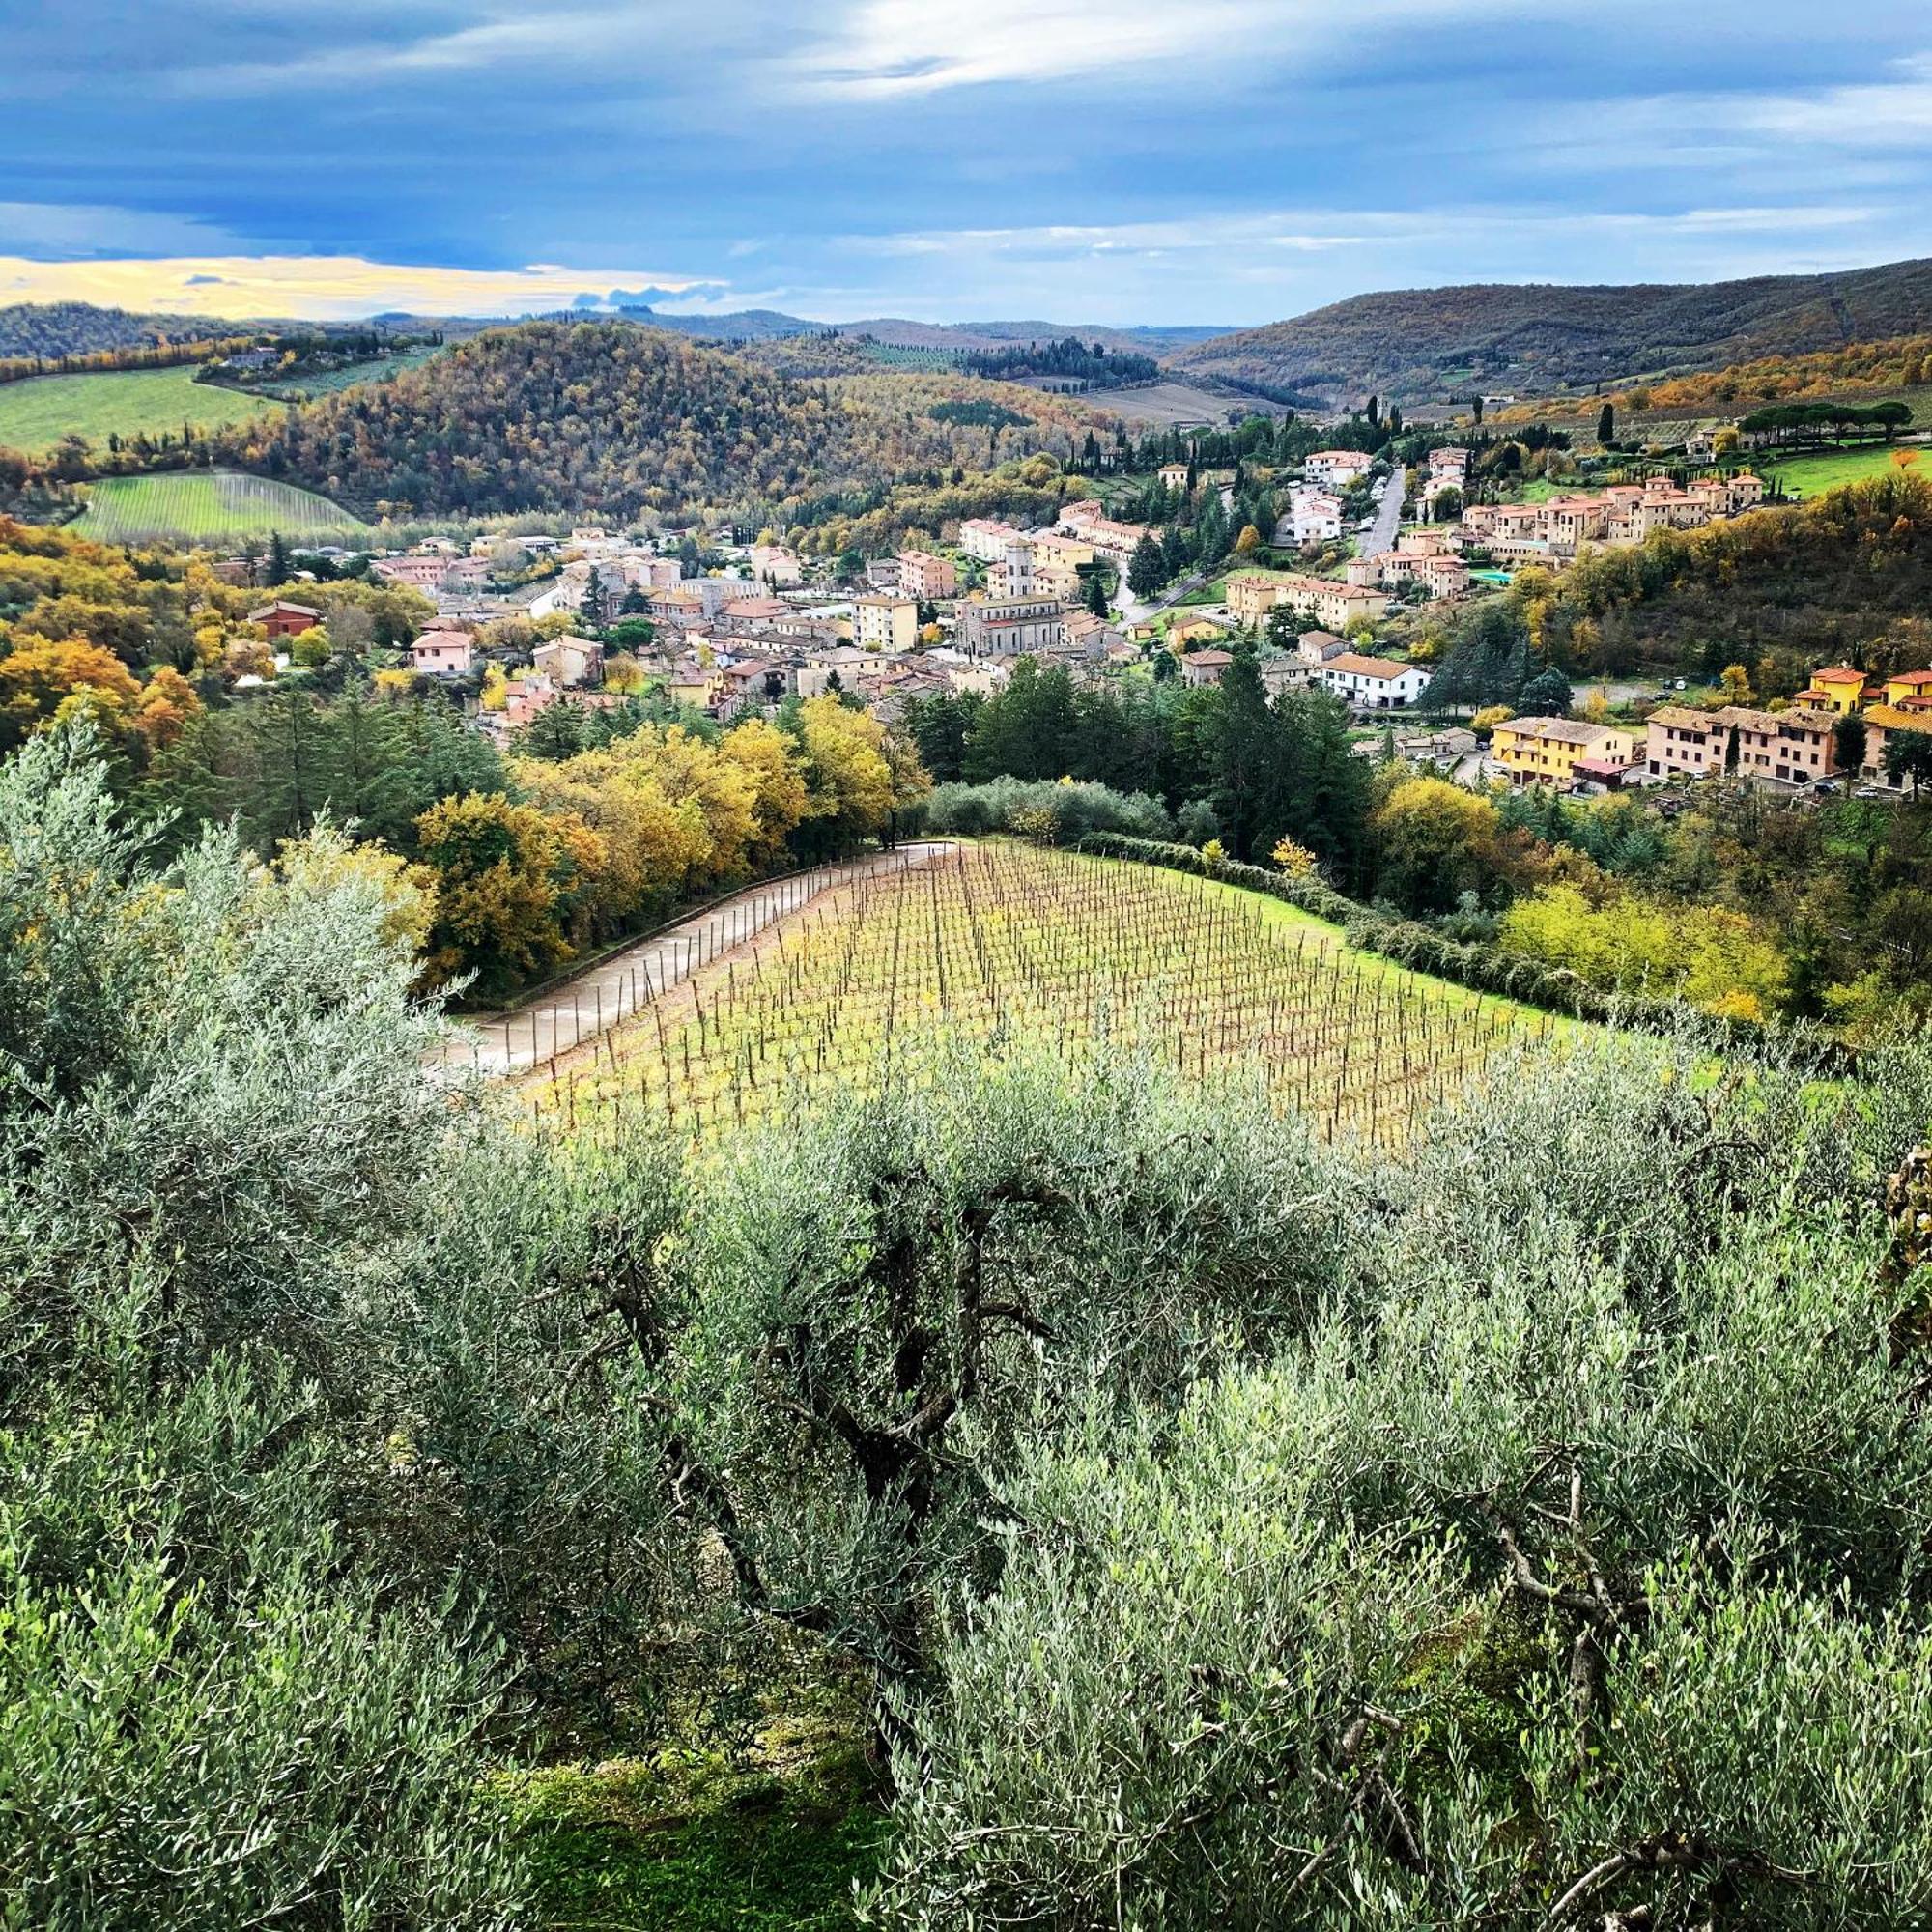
pixel 1549 750
pixel 1909 686
pixel 1184 631
pixel 886 623
pixel 1840 689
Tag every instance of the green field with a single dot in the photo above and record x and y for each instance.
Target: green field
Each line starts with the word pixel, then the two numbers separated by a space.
pixel 218 505
pixel 1807 476
pixel 35 414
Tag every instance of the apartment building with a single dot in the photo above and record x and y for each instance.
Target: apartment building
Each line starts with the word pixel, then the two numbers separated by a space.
pixel 1560 751
pixel 1253 593
pixel 1314 516
pixel 986 538
pixel 885 623
pixel 1794 747
pixel 925 577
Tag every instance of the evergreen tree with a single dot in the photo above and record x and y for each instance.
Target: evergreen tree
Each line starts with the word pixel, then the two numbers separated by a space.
pixel 279 558
pixel 1245 750
pixel 1147 572
pixel 1175 551
pixel 1094 593
pixel 1606 425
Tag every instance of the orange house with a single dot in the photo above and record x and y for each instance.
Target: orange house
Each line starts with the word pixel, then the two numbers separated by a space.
pixel 282 619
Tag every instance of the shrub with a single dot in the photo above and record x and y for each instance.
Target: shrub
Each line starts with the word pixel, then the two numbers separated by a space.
pixel 1071 812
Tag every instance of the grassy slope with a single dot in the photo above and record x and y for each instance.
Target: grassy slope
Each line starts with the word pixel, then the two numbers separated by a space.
pixel 1810 474
pixel 35 414
pixel 207 504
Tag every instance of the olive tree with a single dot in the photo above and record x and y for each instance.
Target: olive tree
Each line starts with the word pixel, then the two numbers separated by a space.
pixel 1570 1569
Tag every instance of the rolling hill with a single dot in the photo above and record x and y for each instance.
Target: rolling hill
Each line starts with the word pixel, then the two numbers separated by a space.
pixel 621 420
pixel 80 328
pixel 1441 344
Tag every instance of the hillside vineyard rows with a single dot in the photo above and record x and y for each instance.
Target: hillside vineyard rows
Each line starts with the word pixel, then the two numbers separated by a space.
pixel 198 503
pixel 996 943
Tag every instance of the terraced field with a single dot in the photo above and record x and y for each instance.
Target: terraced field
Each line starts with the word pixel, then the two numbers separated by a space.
pixel 209 506
pixel 998 942
pixel 35 413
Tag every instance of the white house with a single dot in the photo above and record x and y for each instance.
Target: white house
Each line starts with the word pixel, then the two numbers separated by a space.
pixel 1336 468
pixel 1313 515
pixel 1371 684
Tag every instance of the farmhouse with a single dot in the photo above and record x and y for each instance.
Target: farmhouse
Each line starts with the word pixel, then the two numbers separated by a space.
pixel 283 619
pixel 1371 684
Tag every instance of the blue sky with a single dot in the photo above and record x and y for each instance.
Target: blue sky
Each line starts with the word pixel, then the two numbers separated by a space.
pixel 1224 161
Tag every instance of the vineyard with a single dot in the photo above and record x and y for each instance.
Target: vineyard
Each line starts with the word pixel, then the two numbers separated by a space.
pixel 998 942
pixel 209 506
pixel 37 412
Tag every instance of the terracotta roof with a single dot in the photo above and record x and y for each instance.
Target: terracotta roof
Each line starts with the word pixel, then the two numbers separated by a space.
pixel 1564 730
pixel 1839 674
pixel 1357 666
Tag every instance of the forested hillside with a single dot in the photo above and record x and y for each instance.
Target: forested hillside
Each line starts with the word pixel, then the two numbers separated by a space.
pixel 80 328
pixel 616 419
pixel 1535 338
pixel 1847 577
pixel 1858 369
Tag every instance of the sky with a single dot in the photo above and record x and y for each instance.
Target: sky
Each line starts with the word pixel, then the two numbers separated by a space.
pixel 1159 161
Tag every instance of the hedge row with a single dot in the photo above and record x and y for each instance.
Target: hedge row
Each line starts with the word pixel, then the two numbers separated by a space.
pixel 1483 969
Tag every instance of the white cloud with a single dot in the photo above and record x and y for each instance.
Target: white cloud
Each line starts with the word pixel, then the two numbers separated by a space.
pixel 1688 127
pixel 323 286
pixel 886 48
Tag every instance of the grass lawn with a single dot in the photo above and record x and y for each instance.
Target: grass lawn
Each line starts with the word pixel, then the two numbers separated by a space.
pixel 214 505
pixel 35 414
pixel 1807 476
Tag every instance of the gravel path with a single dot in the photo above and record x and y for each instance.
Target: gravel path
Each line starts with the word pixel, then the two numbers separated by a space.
pixel 606 994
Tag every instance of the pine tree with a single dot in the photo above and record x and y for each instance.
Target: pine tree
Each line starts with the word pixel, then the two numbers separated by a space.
pixel 279 558
pixel 1097 594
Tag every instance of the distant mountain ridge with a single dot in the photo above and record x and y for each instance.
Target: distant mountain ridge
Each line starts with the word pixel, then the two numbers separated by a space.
pixel 765 325
pixel 1443 344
